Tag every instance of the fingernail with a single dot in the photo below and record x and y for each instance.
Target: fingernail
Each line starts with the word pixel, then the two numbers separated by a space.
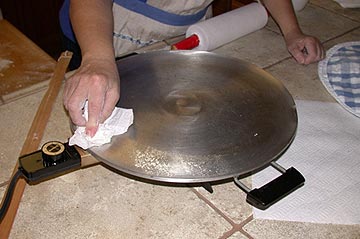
pixel 91 131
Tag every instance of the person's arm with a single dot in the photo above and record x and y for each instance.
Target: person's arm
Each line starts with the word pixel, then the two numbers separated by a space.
pixel 305 49
pixel 97 79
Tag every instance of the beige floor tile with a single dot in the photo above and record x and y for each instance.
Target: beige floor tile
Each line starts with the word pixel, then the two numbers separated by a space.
pixel 98 203
pixel 230 200
pixel 301 81
pixel 262 48
pixel 266 229
pixel 238 235
pixel 316 21
pixel 2 191
pixel 352 13
pixel 16 119
pixel 351 36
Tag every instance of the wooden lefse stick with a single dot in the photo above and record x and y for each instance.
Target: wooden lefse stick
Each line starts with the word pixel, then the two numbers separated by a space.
pixel 34 137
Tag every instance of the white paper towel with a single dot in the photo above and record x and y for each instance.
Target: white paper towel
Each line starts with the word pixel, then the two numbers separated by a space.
pixel 326 150
pixel 222 29
pixel 118 123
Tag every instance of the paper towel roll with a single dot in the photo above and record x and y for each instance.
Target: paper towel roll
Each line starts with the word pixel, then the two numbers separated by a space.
pixel 229 26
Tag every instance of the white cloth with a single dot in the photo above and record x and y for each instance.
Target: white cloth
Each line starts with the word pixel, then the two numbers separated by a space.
pixel 118 123
pixel 340 74
pixel 349 3
pixel 326 150
pixel 133 30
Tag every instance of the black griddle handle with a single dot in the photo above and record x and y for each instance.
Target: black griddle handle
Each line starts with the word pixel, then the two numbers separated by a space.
pixel 270 193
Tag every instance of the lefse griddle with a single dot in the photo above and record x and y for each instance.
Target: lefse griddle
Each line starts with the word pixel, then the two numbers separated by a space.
pixel 199 118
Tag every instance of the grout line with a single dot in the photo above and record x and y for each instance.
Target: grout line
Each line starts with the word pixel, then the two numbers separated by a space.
pixel 229 233
pixel 235 226
pixel 3 184
pixel 324 42
pixel 207 201
pixel 278 62
pixel 343 34
pixel 239 228
pixel 332 11
pixel 243 223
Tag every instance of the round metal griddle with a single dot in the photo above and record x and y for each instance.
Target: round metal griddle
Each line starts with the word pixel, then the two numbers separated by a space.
pixel 198 117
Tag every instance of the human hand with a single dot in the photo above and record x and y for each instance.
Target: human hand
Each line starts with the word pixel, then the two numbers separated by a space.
pixel 305 49
pixel 97 80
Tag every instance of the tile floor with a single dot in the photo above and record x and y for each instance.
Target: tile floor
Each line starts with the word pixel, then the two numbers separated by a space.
pixel 97 202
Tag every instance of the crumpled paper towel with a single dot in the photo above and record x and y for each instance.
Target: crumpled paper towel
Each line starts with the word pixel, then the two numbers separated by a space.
pixel 326 150
pixel 118 123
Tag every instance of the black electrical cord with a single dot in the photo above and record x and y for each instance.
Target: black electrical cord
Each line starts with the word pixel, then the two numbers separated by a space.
pixel 8 194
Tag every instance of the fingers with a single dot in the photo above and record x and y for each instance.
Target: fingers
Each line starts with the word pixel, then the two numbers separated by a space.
pixel 96 101
pixel 307 50
pixel 315 51
pixel 299 54
pixel 112 97
pixel 99 85
pixel 74 101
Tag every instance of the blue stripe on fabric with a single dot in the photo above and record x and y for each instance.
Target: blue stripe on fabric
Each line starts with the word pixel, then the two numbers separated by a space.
pixel 345 75
pixel 338 61
pixel 159 15
pixel 347 94
pixel 352 104
pixel 345 85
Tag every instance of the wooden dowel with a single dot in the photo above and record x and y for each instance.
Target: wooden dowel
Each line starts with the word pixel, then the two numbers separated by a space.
pixel 34 137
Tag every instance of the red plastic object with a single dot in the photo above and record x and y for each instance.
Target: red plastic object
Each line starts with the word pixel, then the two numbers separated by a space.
pixel 187 44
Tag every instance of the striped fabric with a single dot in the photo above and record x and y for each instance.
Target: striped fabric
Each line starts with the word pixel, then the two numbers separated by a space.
pixel 340 74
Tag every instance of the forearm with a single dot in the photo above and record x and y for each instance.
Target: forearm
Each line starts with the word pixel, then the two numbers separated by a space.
pixel 283 13
pixel 92 22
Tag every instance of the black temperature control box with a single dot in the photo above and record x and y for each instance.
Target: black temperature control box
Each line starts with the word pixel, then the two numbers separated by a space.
pixel 54 158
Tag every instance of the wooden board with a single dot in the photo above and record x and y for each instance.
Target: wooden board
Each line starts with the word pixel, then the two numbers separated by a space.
pixel 22 63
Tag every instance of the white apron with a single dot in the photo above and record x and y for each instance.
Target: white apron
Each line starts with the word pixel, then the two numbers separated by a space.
pixel 139 23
